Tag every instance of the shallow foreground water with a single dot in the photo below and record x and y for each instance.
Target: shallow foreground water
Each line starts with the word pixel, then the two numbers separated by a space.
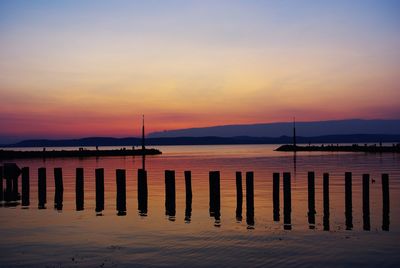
pixel 70 238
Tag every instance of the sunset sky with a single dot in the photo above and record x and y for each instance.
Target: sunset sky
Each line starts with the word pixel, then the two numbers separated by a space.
pixel 92 68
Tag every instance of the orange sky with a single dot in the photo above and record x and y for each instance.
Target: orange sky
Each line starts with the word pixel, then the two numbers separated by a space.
pixel 72 69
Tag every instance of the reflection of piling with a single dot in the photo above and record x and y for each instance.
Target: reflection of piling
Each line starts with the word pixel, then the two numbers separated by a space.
pixel 348 200
pixel 42 188
pixel 25 186
pixel 386 204
pixel 250 199
pixel 142 192
pixel 1 184
pixel 275 196
pixel 311 199
pixel 170 208
pixel 239 196
pixel 326 201
pixel 188 188
pixel 59 189
pixel 121 192
pixel 99 189
pixel 215 196
pixel 287 201
pixel 365 194
pixel 79 189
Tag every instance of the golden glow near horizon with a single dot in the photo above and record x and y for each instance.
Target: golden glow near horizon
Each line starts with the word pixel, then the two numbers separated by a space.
pixel 70 69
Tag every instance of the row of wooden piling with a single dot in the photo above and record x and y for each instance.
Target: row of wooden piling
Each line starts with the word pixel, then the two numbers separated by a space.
pixel 11 194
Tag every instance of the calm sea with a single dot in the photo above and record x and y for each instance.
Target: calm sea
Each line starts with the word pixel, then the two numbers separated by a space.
pixel 70 238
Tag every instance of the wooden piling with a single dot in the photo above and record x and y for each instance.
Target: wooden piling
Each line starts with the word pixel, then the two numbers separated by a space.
pixel 311 199
pixel 1 184
pixel 59 189
pixel 348 201
pixel 121 191
pixel 326 201
pixel 170 207
pixel 366 210
pixel 79 189
pixel 42 195
pixel 25 186
pixel 386 202
pixel 188 188
pixel 215 195
pixel 287 201
pixel 239 195
pixel 250 199
pixel 142 192
pixel 275 196
pixel 99 172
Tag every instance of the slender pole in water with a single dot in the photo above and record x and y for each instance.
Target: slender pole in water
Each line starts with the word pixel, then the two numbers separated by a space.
pixel 294 134
pixel 386 203
pixel 143 147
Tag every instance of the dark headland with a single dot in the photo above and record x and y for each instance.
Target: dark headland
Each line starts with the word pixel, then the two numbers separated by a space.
pixel 81 152
pixel 395 148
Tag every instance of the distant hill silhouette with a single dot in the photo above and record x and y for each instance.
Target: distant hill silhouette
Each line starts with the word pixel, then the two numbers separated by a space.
pixel 210 140
pixel 306 129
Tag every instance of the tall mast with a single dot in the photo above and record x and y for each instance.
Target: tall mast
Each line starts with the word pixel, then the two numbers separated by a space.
pixel 143 147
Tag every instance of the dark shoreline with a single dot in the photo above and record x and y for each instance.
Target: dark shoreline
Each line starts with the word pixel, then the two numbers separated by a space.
pixel 10 154
pixel 341 148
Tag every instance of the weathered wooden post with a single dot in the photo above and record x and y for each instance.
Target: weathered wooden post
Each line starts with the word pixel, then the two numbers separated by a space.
pixel 348 201
pixel 1 184
pixel 121 192
pixel 79 189
pixel 188 187
pixel 142 192
pixel 326 201
pixel 25 186
pixel 239 196
pixel 275 196
pixel 42 196
pixel 59 189
pixel 250 199
pixel 386 202
pixel 311 199
pixel 365 194
pixel 99 190
pixel 170 208
pixel 215 197
pixel 11 173
pixel 287 201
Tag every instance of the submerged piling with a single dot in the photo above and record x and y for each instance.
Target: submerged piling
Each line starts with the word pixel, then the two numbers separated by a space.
pixel 326 201
pixel 287 201
pixel 25 186
pixel 42 196
pixel 348 200
pixel 386 202
pixel 366 211
pixel 79 189
pixel 250 199
pixel 1 184
pixel 59 189
pixel 215 197
pixel 170 206
pixel 311 199
pixel 121 192
pixel 275 196
pixel 142 192
pixel 99 173
pixel 239 196
pixel 188 188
